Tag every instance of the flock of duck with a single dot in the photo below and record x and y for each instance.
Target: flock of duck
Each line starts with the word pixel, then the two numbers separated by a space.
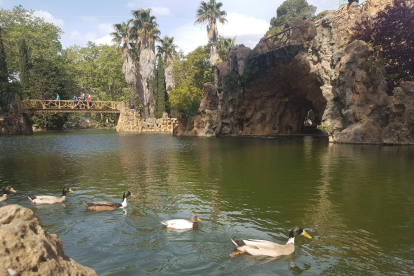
pixel 250 246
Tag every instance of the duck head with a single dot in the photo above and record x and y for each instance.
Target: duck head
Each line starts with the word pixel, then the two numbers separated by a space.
pixel 66 190
pixel 296 231
pixel 126 194
pixel 8 189
pixel 194 218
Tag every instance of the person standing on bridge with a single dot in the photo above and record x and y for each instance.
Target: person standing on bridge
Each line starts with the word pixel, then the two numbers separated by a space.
pixel 89 99
pixel 58 99
pixel 75 101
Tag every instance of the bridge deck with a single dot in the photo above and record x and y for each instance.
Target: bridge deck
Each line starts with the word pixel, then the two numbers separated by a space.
pixel 54 106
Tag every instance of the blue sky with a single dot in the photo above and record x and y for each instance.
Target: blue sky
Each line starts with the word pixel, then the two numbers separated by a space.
pixel 92 20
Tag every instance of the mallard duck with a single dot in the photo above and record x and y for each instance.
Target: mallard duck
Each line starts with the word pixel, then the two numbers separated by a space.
pixel 267 248
pixel 50 199
pixel 108 206
pixel 6 191
pixel 182 223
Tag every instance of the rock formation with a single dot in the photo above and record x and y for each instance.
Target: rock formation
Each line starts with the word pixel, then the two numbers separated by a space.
pixel 13 123
pixel 27 249
pixel 270 90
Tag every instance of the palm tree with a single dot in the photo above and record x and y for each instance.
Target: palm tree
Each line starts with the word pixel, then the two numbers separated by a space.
pixel 144 29
pixel 144 32
pixel 167 48
pixel 121 37
pixel 207 14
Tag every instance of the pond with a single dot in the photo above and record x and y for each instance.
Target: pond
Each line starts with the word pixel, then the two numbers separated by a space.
pixel 356 201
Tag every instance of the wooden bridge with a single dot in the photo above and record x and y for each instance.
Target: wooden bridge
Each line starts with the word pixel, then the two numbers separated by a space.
pixel 71 106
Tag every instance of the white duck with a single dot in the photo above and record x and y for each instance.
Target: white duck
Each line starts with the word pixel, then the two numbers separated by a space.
pixel 6 191
pixel 182 223
pixel 50 199
pixel 267 248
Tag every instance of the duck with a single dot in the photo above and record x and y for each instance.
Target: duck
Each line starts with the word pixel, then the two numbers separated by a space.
pixel 182 224
pixel 268 248
pixel 108 206
pixel 6 191
pixel 51 199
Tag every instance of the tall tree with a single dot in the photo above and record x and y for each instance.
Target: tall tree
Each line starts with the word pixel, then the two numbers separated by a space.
pixel 289 12
pixel 159 91
pixel 4 75
pixel 121 36
pixel 23 64
pixel 167 49
pixel 208 14
pixel 144 32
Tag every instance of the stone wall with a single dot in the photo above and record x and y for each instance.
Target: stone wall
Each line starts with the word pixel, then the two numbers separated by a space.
pixel 27 249
pixel 264 92
pixel 130 121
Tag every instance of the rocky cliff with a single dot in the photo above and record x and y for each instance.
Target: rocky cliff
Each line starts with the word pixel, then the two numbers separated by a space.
pixel 271 89
pixel 14 122
pixel 27 249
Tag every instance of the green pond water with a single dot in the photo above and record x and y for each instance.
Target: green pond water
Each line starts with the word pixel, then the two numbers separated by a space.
pixel 357 201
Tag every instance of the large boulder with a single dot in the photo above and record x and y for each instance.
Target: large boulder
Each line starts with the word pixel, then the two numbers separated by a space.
pixel 27 249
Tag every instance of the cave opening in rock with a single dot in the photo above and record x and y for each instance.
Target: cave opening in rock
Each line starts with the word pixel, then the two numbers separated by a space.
pixel 280 100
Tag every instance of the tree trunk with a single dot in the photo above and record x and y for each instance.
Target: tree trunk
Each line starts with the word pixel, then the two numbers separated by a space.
pixel 146 71
pixel 169 78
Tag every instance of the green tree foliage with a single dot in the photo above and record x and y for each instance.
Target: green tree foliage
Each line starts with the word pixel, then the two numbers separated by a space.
pixel 190 75
pixel 224 45
pixel 160 92
pixel 42 38
pixel 97 70
pixel 289 12
pixel 392 35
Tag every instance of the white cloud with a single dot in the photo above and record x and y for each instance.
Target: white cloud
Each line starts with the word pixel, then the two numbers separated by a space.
pixel 239 24
pixel 160 11
pixel 157 11
pixel 50 18
pixel 89 19
pixel 75 37
pixel 104 40
pixel 105 28
pixel 247 29
pixel 189 37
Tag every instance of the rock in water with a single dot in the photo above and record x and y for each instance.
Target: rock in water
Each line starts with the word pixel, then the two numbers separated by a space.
pixel 27 249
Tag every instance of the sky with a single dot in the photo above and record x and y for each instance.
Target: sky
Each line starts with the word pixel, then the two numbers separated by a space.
pixel 92 20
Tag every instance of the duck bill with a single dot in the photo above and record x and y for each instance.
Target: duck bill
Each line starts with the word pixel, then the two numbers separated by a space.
pixel 12 190
pixel 306 234
pixel 198 219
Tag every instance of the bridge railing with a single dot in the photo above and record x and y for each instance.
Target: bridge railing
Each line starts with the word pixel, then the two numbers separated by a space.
pixel 283 38
pixel 66 105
